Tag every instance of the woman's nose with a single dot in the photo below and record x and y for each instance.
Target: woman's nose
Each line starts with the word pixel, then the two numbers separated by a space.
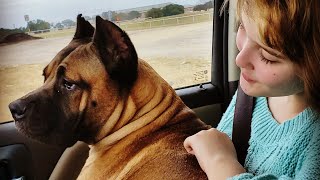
pixel 244 57
pixel 243 61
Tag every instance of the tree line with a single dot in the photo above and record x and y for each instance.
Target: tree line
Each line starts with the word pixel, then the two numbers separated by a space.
pixel 169 10
pixel 120 16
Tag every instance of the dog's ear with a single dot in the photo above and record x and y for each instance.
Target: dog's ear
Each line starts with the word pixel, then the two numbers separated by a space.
pixel 84 28
pixel 116 51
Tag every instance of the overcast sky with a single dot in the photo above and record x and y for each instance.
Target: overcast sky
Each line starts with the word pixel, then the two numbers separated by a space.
pixel 12 11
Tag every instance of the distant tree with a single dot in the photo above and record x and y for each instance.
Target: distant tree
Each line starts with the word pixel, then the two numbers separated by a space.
pixel 22 29
pixel 105 15
pixel 114 16
pixel 154 13
pixel 38 25
pixel 205 6
pixel 133 15
pixel 172 9
pixel 199 7
pixel 68 23
pixel 122 16
pixel 59 26
pixel 169 10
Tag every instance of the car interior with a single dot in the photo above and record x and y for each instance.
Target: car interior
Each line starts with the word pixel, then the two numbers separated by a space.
pixel 23 158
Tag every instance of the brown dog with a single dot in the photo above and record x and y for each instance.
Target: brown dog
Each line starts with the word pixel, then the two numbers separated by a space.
pixel 96 90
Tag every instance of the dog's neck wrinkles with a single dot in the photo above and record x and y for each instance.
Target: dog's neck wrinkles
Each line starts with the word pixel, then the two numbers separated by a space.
pixel 143 118
pixel 146 108
pixel 112 121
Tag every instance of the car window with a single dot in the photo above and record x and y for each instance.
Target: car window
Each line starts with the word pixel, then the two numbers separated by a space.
pixel 174 37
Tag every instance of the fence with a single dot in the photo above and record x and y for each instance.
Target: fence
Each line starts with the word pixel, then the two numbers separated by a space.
pixel 136 24
pixel 170 21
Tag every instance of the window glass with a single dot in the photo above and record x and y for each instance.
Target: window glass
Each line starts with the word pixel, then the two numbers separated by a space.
pixel 174 37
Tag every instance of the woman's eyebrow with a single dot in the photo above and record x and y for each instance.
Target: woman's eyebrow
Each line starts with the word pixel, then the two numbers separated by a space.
pixel 272 52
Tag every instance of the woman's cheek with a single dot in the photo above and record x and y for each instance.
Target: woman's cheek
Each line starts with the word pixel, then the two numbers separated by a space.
pixel 269 77
pixel 275 78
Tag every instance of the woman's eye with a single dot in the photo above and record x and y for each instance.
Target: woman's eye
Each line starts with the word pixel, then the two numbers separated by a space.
pixel 267 57
pixel 69 85
pixel 267 61
pixel 241 25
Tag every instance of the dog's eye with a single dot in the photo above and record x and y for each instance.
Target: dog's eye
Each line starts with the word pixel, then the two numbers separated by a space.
pixel 69 85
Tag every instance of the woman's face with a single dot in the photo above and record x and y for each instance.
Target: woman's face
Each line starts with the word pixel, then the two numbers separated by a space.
pixel 264 71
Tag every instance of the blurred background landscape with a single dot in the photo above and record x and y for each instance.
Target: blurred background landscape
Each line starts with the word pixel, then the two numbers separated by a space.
pixel 174 38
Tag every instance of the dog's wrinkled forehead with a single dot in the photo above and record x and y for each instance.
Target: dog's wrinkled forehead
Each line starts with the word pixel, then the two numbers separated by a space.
pixel 50 69
pixel 109 43
pixel 83 35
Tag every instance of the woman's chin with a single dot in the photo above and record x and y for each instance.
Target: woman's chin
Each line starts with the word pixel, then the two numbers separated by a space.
pixel 248 88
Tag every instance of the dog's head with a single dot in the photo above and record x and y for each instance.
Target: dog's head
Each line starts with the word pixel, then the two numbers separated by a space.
pixel 82 86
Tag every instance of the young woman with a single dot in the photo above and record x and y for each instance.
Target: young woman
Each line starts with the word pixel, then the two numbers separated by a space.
pixel 279 58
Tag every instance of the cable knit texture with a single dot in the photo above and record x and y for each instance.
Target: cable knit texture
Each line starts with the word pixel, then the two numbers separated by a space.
pixel 290 150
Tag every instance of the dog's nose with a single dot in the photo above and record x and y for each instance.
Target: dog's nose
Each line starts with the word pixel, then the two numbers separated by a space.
pixel 18 109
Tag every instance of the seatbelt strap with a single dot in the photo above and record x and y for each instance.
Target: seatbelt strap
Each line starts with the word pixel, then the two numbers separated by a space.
pixel 242 124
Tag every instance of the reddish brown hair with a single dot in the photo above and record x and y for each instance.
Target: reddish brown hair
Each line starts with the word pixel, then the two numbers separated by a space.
pixel 293 28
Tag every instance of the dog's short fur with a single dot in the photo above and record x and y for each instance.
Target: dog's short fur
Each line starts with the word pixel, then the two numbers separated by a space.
pixel 96 90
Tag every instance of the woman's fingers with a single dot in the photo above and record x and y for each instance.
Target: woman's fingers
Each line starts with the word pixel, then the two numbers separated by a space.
pixel 188 145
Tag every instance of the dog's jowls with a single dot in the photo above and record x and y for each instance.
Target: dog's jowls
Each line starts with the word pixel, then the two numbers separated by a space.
pixel 96 90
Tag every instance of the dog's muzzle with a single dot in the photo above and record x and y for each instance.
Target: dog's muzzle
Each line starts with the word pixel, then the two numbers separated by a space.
pixel 19 109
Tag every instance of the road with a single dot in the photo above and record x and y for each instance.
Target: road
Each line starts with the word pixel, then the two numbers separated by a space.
pixel 175 41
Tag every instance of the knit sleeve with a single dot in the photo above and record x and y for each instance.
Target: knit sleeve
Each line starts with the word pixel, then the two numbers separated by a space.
pixel 308 167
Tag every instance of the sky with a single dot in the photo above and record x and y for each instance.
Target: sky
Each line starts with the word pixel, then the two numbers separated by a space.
pixel 12 11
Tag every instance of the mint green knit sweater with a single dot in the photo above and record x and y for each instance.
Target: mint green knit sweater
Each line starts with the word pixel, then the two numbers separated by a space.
pixel 290 150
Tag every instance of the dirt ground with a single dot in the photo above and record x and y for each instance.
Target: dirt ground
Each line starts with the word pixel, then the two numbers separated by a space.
pixel 15 82
pixel 16 38
pixel 170 54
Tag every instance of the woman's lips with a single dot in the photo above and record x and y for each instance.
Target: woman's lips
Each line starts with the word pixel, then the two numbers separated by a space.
pixel 245 77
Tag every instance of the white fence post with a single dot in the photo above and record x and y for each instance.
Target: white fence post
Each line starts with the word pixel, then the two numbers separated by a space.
pixel 162 21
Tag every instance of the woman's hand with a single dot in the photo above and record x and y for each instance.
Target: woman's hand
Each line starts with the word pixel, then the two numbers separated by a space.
pixel 215 153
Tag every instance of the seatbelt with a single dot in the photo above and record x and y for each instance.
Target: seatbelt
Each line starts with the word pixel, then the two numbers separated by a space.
pixel 242 124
